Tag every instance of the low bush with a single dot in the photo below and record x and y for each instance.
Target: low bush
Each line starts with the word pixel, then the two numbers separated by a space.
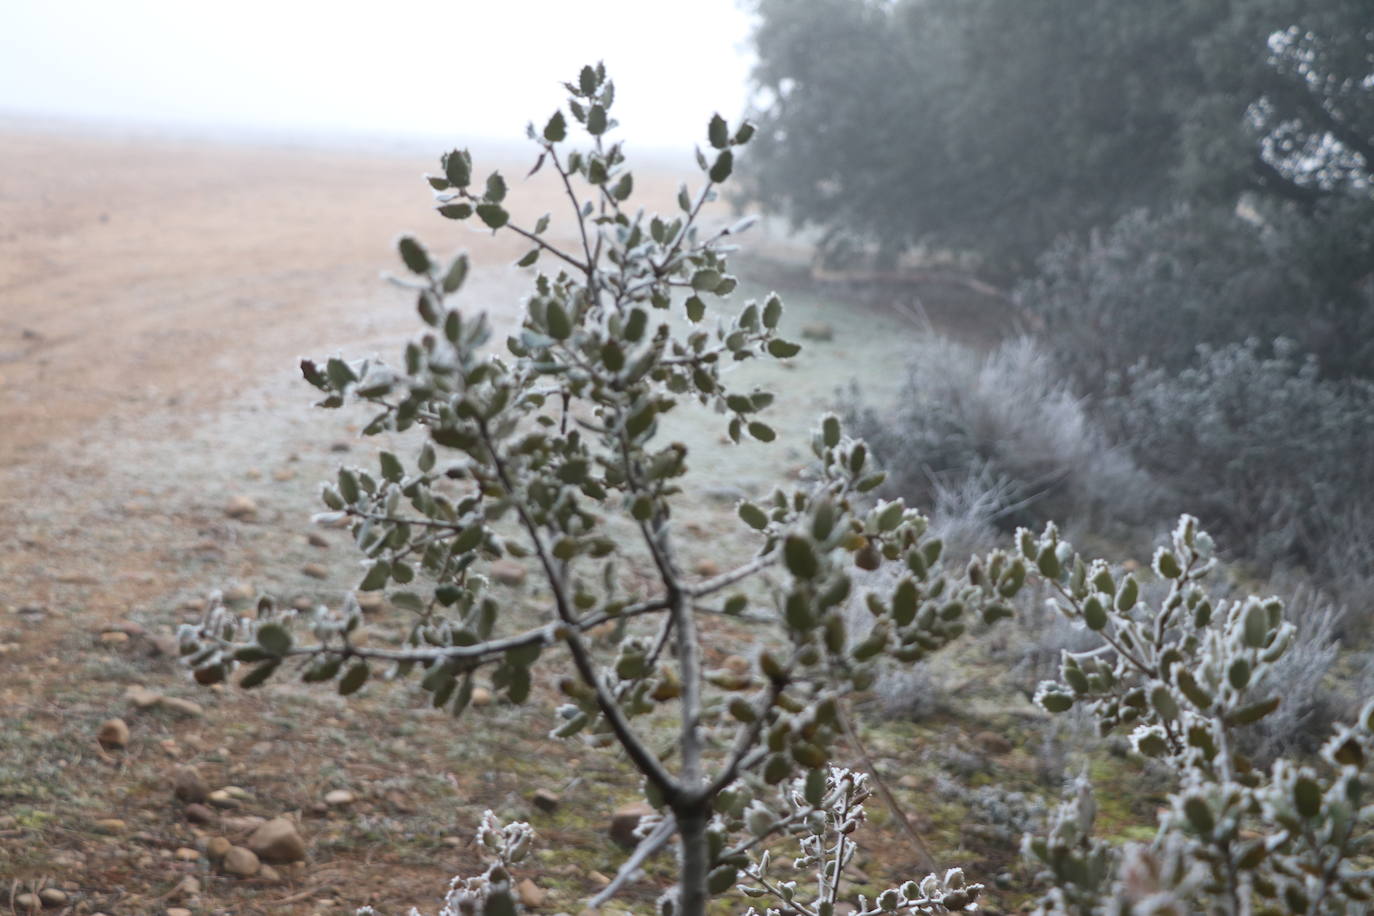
pixel 1263 449
pixel 990 442
pixel 1152 287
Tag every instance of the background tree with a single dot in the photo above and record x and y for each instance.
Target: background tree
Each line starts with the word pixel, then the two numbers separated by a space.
pixel 998 126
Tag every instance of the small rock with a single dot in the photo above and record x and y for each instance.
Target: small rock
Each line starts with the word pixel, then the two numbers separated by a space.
pixel 217 848
pixel 242 508
pixel 371 602
pixel 817 330
pixel 241 825
pixel 181 707
pixel 187 887
pixel 188 785
pixel 303 604
pixel 269 874
pixel 708 568
pixel 238 592
pixel 545 800
pixel 27 902
pixel 315 571
pixel 240 862
pixel 282 475
pixel 110 825
pixel 993 743
pixel 277 842
pixel 113 638
pixel 736 664
pixel 200 814
pixel 452 841
pixel 187 854
pixel 178 911
pixel 339 446
pixel 339 798
pixel 113 734
pixel 507 572
pixel 625 820
pixel 142 697
pixel 222 799
pixel 318 540
pixel 51 896
pixel 253 473
pixel 530 894
pixel 481 696
pixel 599 879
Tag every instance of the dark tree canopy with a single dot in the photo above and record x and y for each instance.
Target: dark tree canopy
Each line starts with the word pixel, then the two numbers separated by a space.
pixel 1000 125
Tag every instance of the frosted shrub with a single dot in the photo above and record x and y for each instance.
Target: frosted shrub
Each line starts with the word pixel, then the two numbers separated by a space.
pixel 538 449
pixel 537 453
pixel 1264 450
pixel 1185 678
pixel 1153 286
pixel 989 442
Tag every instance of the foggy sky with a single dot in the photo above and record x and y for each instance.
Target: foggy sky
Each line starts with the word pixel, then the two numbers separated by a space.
pixel 457 68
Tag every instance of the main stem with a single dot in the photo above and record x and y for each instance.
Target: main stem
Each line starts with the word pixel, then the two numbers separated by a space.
pixel 691 829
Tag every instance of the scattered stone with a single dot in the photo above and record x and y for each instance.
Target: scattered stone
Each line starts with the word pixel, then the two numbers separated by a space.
pixel 178 911
pixel 217 848
pixel 599 879
pixel 188 708
pixel 269 874
pixel 200 814
pixel 189 786
pixel 110 825
pixel 315 571
pixel 187 854
pixel 736 664
pixel 241 825
pixel 51 896
pixel 282 475
pixel 993 743
pixel 625 820
pixel 187 887
pixel 240 862
pixel 28 902
pixel 277 842
pixel 545 800
pixel 113 734
pixel 339 798
pixel 481 696
pixel 508 572
pixel 142 697
pixel 302 603
pixel 708 568
pixel 817 330
pixel 452 841
pixel 163 644
pixel 222 799
pixel 253 473
pixel 238 593
pixel 113 638
pixel 318 540
pixel 339 446
pixel 242 508
pixel 371 602
pixel 530 894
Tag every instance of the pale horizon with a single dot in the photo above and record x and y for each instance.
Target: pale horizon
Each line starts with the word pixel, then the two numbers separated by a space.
pixel 461 71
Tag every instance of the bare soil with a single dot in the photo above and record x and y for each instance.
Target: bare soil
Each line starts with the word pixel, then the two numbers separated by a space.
pixel 155 296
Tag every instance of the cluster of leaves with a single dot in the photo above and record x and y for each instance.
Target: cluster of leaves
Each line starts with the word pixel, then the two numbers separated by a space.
pixel 551 454
pixel 1185 677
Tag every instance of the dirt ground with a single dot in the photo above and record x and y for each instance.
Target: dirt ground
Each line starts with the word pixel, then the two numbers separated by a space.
pixel 155 296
